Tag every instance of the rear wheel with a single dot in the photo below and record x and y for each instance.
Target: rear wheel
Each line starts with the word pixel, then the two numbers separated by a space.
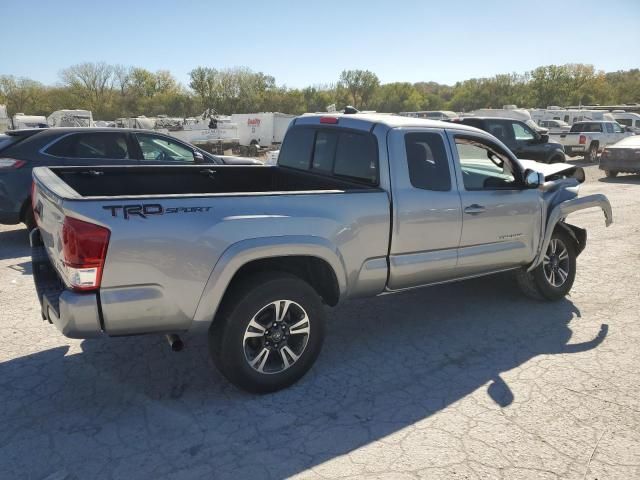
pixel 556 159
pixel 611 173
pixel 592 153
pixel 554 277
pixel 268 333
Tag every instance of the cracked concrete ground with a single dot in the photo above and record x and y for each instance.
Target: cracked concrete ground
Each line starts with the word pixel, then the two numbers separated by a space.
pixel 464 381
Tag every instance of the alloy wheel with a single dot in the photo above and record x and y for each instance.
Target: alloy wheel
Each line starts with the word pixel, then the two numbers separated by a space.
pixel 276 336
pixel 555 263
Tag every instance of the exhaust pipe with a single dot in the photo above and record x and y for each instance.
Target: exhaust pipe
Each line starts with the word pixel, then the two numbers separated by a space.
pixel 175 342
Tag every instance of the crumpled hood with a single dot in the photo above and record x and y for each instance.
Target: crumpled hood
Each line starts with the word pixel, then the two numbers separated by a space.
pixel 553 171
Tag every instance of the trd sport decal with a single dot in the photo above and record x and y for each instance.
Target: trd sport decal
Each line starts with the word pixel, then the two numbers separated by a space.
pixel 147 209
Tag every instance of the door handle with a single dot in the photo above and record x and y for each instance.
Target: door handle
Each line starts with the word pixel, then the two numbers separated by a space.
pixel 474 209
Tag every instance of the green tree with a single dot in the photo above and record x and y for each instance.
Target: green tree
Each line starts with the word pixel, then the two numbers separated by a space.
pixel 91 83
pixel 360 85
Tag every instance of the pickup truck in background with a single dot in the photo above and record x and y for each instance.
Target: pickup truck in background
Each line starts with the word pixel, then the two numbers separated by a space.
pixel 587 139
pixel 357 205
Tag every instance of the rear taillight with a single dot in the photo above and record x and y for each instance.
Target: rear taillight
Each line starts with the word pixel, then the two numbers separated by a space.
pixel 10 163
pixel 84 248
pixel 605 154
pixel 582 140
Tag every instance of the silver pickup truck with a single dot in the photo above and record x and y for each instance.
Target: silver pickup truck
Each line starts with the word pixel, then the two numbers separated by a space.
pixel 586 139
pixel 358 205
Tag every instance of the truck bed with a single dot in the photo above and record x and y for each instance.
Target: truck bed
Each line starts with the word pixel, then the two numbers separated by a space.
pixel 189 180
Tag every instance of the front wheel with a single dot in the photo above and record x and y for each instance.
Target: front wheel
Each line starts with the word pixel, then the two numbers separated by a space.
pixel 553 278
pixel 268 332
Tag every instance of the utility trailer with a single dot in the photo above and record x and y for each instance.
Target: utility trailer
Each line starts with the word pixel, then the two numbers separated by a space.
pixel 261 129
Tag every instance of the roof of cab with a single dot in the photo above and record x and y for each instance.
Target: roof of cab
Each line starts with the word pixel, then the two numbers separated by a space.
pixel 367 120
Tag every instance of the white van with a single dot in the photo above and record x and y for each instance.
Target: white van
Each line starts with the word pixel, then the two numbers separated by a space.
pixel 628 119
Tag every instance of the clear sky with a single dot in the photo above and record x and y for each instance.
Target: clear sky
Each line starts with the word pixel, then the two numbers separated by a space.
pixel 310 42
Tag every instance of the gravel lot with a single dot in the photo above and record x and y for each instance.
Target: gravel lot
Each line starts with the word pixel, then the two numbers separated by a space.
pixel 463 381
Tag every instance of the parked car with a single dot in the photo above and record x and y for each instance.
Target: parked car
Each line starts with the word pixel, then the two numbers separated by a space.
pixel 358 205
pixel 522 140
pixel 587 139
pixel 21 150
pixel 555 126
pixel 621 157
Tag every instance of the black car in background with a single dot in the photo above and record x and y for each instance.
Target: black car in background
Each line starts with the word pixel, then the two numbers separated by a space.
pixel 525 142
pixel 21 150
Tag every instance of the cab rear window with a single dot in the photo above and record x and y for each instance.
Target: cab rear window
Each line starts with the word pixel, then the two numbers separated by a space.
pixel 330 151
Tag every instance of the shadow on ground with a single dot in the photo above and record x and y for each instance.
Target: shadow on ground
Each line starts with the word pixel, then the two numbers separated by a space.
pixel 621 178
pixel 14 244
pixel 130 408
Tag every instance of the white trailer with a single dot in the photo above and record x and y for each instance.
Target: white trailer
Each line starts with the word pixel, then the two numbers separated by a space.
pixel 4 119
pixel 570 115
pixel 264 129
pixel 21 121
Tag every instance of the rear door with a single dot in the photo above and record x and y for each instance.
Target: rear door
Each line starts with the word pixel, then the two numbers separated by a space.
pixel 500 217
pixel 427 216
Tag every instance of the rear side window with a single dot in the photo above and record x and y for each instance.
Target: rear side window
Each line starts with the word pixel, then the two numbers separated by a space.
pixel 296 148
pixel 334 152
pixel 427 161
pixel 587 127
pixel 324 151
pixel 356 157
pixel 101 145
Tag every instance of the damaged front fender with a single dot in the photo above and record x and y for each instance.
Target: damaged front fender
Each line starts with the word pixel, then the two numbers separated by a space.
pixel 561 210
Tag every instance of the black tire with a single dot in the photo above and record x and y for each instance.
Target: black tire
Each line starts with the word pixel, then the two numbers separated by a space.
pixel 611 173
pixel 556 159
pixel 592 153
pixel 250 301
pixel 538 284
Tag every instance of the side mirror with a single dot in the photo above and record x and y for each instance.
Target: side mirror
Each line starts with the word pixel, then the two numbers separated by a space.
pixel 198 157
pixel 544 138
pixel 533 179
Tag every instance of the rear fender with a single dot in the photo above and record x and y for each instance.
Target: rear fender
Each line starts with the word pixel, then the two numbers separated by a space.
pixel 243 252
pixel 561 211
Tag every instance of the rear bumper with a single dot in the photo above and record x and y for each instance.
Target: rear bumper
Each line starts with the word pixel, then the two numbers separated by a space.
pixel 574 150
pixel 625 166
pixel 76 315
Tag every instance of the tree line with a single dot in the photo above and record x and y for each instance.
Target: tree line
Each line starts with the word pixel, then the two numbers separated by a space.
pixel 113 91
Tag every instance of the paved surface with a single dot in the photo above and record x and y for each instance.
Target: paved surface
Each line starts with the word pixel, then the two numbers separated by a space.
pixel 456 382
